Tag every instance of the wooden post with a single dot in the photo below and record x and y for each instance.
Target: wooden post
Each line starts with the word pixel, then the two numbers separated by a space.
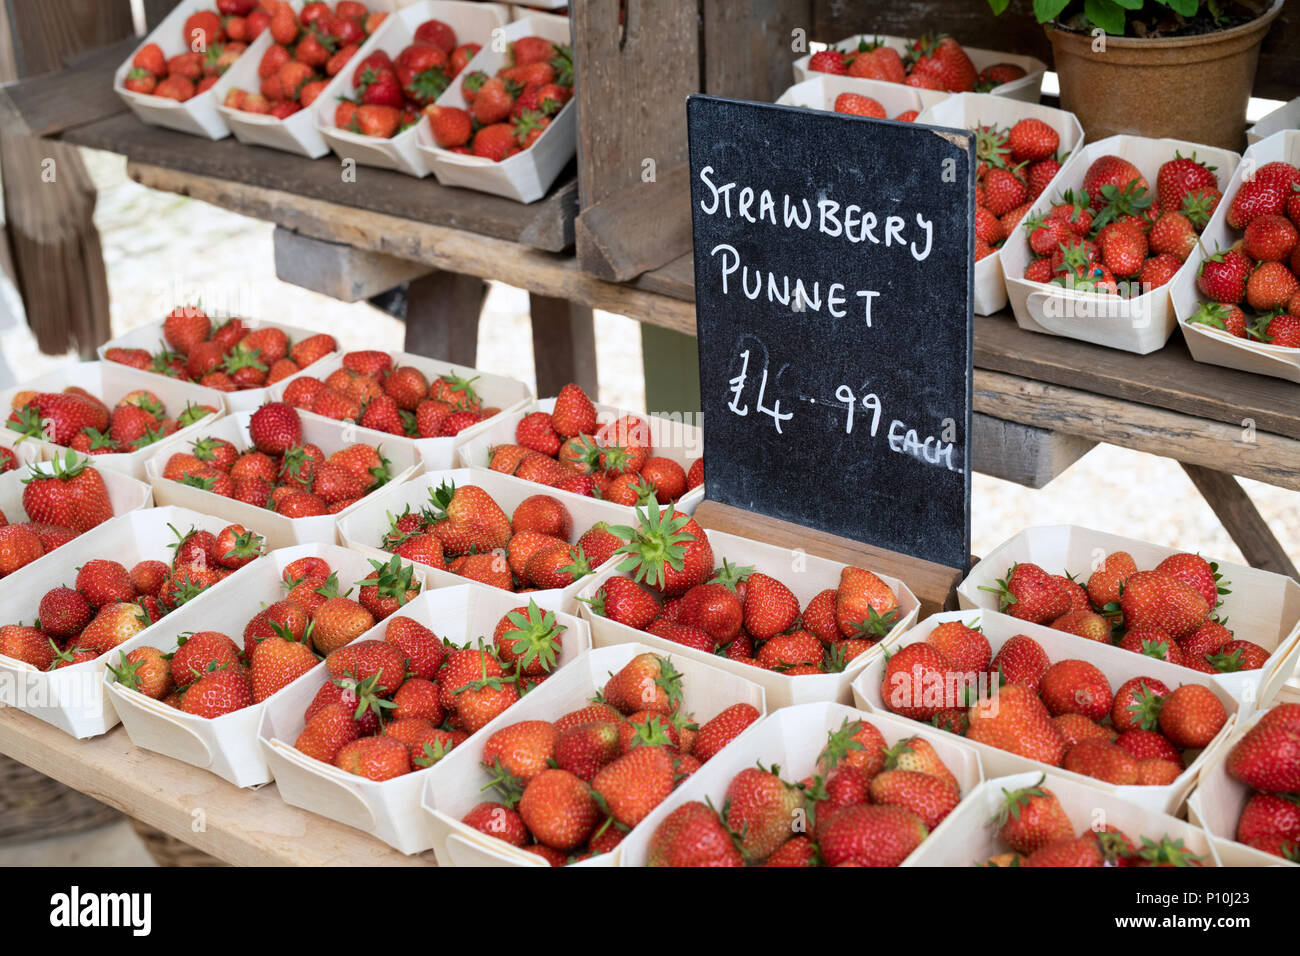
pixel 564 345
pixel 1245 525
pixel 442 313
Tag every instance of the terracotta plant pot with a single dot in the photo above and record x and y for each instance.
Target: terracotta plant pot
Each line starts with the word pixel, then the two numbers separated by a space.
pixel 1193 88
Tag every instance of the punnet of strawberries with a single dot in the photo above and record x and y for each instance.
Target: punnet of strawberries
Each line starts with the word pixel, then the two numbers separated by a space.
pixel 63 498
pixel 281 471
pixel 230 357
pixel 859 104
pixel 571 788
pixel 1251 288
pixel 399 399
pixel 389 92
pixel 213 39
pixel 675 591
pixel 77 419
pixel 566 449
pixel 1036 830
pixel 108 603
pixel 463 530
pixel 400 703
pixel 1267 760
pixel 1166 612
pixel 209 674
pixel 506 113
pixel 1115 236
pixel 1062 713
pixel 310 47
pixel 865 804
pixel 1014 166
pixel 932 62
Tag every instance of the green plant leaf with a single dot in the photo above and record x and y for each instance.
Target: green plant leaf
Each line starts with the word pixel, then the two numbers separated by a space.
pixel 1048 10
pixel 997 6
pixel 1185 8
pixel 1106 14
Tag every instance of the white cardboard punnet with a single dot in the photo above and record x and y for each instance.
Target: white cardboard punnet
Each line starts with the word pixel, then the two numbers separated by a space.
pixel 473 22
pixel 150 337
pixel 1139 324
pixel 819 91
pixel 280 531
pixel 1117 664
pixel 527 175
pixel 972 110
pixel 969 838
pixel 1028 87
pixel 681 442
pixel 1263 607
pixel 817 575
pixel 1286 116
pixel 363 528
pixel 226 745
pixel 109 382
pixel 72 698
pixel 495 391
pixel 1213 346
pixel 456 783
pixel 389 809
pixel 793 738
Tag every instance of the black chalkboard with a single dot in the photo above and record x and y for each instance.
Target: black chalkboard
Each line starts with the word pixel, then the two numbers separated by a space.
pixel 777 383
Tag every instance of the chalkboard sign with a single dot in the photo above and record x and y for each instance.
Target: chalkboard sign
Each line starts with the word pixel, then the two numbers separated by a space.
pixel 833 271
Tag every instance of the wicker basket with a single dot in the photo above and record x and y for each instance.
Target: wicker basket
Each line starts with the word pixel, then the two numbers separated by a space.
pixel 34 807
pixel 166 850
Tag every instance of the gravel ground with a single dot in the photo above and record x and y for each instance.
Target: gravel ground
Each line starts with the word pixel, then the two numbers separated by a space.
pixel 162 249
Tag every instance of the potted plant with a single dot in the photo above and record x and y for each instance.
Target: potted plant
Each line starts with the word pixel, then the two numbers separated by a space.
pixel 1177 68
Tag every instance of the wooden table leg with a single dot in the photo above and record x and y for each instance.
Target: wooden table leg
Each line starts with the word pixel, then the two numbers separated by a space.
pixel 442 313
pixel 672 370
pixel 1242 519
pixel 564 345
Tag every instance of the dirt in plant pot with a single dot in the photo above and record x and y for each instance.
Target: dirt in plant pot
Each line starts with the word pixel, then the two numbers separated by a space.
pixel 1162 23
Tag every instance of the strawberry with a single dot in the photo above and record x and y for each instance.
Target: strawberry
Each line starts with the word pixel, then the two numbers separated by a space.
pixel 363 660
pixel 275 428
pixel 1223 276
pixel 19 546
pixel 929 797
pixel 647 682
pixel 1147 745
pixel 497 820
pixel 964 648
pixel 763 809
pixel 1031 140
pixel 1283 330
pixel 1238 655
pixel 1106 581
pixel 217 693
pixel 634 784
pixel 693 835
pixel 865 606
pixel 1114 172
pixel 828 61
pixel 1137 703
pixel 327 731
pixel 146 670
pixel 855 104
pixel 1269 238
pixel 520 751
pixel 1198 573
pixel 868 835
pixel 1032 818
pixel 375 758
pixel 276 663
pixel 27 644
pixel 1086 624
pixel 941 59
pixel 1123 248
pixel 559 809
pixel 1152 643
pixel 339 621
pixel 111 626
pixel 769 607
pixel 574 414
pixel 1180 176
pixel 1076 687
pixel 530 638
pixel 1266 814
pixel 915 682
pixel 1157 271
pixel 1267 757
pixel 1015 720
pixel 1031 594
pixel 1265 193
pixel 668 551
pixel 724 727
pixel 1156 600
pixel 1102 760
pixel 66 492
pixel 466 518
pixel 185 327
pixel 786 652
pixel 599 544
pixel 1191 716
pixel 1071 851
pixel 715 609
pixel 877 62
pixel 63 612
pixel 584 749
pixel 203 651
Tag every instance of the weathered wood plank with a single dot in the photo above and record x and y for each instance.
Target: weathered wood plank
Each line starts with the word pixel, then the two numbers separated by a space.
pixel 442 315
pixel 1271 458
pixel 1024 454
pixel 545 224
pixel 242 827
pixel 80 94
pixel 564 345
pixel 46 33
pixel 1242 520
pixel 443 247
pixel 749 58
pixel 638 228
pixel 340 271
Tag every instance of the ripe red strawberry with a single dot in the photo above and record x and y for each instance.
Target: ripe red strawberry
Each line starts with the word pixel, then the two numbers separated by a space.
pixel 1106 581
pixel 275 428
pixel 201 652
pixel 786 652
pixel 763 809
pixel 855 104
pixel 1137 703
pixel 1223 276
pixel 1102 760
pixel 692 835
pixel 1265 193
pixel 27 644
pixel 634 784
pixel 769 606
pixel 1180 176
pixel 1145 744
pixel 375 758
pixel 940 58
pixel 715 609
pixel 1031 140
pixel 1281 330
pixel 1269 238
pixel 63 612
pixel 914 682
pixel 1032 818
pixel 467 519
pixel 1015 720
pixel 218 693
pixel 1111 171
pixel 145 670
pixel 964 648
pixel 1156 600
pixel 530 638
pixel 670 552
pixel 1152 643
pixel 186 326
pixel 584 749
pixel 1076 687
pixel 1267 757
pixel 1020 660
pixel 1191 715
pixel 559 809
pixel 276 663
pixel 647 682
pixel 929 797
pixel 867 835
pixel 66 492
pixel 1073 851
pixel 521 751
pixel 828 61
pixel 1195 571
pixel 1031 594
pixel 535 431
pixel 724 727
pixel 865 606
pixel 1157 271
pixel 1086 624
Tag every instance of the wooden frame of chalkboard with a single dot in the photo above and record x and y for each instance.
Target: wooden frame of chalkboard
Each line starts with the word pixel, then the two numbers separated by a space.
pixel 833 279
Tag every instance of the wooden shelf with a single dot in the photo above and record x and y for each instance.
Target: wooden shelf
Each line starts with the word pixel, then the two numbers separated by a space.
pixel 241 827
